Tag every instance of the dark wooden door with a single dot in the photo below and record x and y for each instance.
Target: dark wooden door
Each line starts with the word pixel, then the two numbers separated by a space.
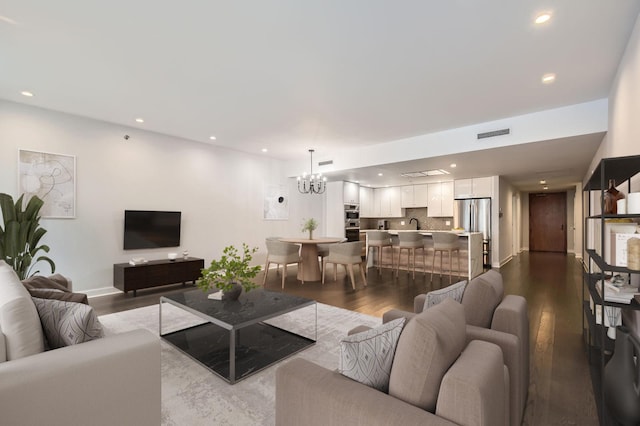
pixel 548 222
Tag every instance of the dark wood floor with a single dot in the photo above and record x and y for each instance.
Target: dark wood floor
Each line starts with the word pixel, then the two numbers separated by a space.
pixel 560 390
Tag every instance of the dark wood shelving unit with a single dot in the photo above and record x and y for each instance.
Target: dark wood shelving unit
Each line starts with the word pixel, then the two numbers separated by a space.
pixel 155 273
pixel 599 346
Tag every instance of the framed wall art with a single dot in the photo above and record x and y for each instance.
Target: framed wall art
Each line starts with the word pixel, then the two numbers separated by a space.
pixel 276 202
pixel 52 177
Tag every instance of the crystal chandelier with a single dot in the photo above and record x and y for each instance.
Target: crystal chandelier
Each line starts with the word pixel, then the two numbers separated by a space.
pixel 312 184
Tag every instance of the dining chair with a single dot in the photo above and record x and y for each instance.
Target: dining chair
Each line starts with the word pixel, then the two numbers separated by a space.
pixel 347 254
pixel 323 249
pixel 410 241
pixel 283 254
pixel 445 241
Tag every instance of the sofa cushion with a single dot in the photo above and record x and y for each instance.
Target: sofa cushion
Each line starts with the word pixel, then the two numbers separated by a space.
pixel 19 321
pixel 429 344
pixel 67 323
pixel 454 292
pixel 481 297
pixel 367 356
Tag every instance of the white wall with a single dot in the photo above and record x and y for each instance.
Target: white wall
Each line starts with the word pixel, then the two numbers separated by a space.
pixel 219 191
pixel 505 219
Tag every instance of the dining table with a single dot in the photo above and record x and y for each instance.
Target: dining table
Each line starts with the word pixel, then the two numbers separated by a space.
pixel 310 270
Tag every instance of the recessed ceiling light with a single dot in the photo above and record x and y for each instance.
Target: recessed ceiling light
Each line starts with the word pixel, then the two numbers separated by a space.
pixel 548 78
pixel 453 165
pixel 213 138
pixel 26 93
pixel 357 181
pixel 263 149
pixel 139 120
pixel 542 18
pixel 379 174
pixel 545 187
pixel 542 182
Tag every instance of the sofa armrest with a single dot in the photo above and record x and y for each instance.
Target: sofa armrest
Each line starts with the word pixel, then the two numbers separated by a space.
pixel 418 303
pixel 108 381
pixel 393 314
pixel 511 317
pixel 511 352
pixel 472 392
pixel 308 394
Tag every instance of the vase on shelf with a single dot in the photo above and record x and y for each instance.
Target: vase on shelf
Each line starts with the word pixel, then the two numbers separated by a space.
pixel 311 234
pixel 611 197
pixel 622 378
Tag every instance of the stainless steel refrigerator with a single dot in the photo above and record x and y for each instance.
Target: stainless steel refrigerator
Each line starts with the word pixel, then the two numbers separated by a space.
pixel 474 215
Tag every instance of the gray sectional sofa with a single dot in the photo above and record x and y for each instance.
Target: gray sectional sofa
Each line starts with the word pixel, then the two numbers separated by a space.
pixel 484 384
pixel 108 381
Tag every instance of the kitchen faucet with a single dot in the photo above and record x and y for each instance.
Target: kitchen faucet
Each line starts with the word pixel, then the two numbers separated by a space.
pixel 417 222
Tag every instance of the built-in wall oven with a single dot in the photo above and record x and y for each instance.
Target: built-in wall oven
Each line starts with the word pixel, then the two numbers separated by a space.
pixel 352 222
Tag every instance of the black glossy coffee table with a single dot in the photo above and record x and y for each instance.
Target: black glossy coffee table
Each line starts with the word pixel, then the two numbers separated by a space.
pixel 235 342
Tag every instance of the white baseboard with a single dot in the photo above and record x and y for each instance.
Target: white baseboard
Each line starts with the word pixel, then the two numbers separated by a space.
pixel 100 291
pixel 505 261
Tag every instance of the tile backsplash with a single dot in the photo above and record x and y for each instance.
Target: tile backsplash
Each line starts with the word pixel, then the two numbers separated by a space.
pixel 432 223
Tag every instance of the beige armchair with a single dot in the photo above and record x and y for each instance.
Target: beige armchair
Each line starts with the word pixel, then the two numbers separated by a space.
pixel 347 254
pixel 281 254
pixel 493 317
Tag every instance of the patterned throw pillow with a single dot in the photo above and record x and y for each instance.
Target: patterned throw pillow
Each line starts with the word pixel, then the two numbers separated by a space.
pixel 367 357
pixel 67 323
pixel 454 291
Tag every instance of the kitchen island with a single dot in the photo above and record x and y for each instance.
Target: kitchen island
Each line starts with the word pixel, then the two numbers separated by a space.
pixel 470 253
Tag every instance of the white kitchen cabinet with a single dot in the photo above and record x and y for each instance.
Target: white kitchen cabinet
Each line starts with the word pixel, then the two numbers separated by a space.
pixel 440 199
pixel 367 202
pixel 351 192
pixel 414 196
pixel 389 199
pixel 473 188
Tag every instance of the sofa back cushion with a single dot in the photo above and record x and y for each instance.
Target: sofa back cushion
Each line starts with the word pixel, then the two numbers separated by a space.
pixel 19 321
pixel 481 297
pixel 429 344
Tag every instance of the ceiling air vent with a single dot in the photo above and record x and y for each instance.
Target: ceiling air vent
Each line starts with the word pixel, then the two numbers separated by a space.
pixel 494 133
pixel 325 163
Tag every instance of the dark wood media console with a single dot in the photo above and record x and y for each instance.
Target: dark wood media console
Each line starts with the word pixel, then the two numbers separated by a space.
pixel 154 273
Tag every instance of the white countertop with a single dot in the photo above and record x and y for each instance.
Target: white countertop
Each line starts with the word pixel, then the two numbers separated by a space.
pixel 426 232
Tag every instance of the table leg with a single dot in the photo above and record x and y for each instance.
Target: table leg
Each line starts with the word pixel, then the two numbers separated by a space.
pixel 311 269
pixel 232 356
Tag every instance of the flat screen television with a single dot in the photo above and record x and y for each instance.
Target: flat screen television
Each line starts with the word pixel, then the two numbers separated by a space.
pixel 144 229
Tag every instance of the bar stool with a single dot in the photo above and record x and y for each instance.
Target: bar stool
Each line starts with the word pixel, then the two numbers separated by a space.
pixel 410 241
pixel 445 241
pixel 379 239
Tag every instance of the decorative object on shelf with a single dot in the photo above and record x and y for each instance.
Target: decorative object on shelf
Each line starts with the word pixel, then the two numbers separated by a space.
pixel 633 253
pixel 20 234
pixel 309 225
pixel 622 379
pixel 172 256
pixel 611 197
pixel 231 273
pixel 633 203
pixel 185 254
pixel 312 184
pixel 622 206
pixel 614 319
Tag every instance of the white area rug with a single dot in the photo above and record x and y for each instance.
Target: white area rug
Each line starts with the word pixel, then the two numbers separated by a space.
pixel 193 395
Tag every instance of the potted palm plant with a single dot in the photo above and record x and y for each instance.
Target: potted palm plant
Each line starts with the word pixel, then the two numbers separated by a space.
pixel 20 235
pixel 231 273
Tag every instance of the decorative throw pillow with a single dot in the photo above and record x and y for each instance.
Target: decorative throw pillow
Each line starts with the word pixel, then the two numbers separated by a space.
pixel 67 323
pixel 454 292
pixel 367 356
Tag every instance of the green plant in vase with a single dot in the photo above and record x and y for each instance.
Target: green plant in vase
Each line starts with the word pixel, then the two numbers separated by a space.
pixel 20 235
pixel 309 225
pixel 231 273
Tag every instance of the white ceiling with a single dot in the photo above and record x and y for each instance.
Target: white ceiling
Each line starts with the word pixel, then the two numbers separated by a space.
pixel 288 75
